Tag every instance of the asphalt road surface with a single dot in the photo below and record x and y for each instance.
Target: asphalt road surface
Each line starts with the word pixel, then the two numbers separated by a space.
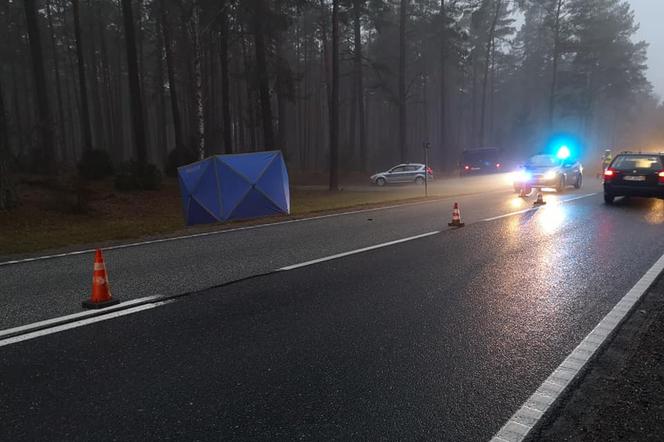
pixel 38 290
pixel 439 338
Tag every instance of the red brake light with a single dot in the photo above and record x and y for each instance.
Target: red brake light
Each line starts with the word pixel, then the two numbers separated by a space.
pixel 467 167
pixel 609 174
pixel 429 171
pixel 497 165
pixel 660 176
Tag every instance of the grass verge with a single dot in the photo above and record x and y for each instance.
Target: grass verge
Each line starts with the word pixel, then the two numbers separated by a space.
pixel 44 222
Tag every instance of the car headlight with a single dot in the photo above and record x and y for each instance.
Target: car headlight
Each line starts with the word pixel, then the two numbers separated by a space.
pixel 550 175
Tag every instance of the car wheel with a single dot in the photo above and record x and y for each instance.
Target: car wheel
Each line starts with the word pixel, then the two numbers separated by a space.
pixel 579 181
pixel 381 182
pixel 419 181
pixel 608 198
pixel 560 188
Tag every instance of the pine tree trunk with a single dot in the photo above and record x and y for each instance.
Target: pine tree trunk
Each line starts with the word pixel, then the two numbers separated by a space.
pixel 162 129
pixel 44 161
pixel 334 101
pixel 283 79
pixel 359 84
pixel 262 74
pixel 61 136
pixel 443 86
pixel 134 86
pixel 8 195
pixel 252 120
pixel 82 83
pixel 198 81
pixel 554 63
pixel 403 116
pixel 98 124
pixel 170 68
pixel 225 85
pixel 487 63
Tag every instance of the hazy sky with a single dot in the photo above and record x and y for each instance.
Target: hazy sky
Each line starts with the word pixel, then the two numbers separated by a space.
pixel 650 14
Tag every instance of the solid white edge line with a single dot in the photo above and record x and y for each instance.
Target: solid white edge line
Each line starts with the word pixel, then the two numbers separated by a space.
pixel 532 209
pixel 81 323
pixel 355 252
pixel 123 305
pixel 220 232
pixel 519 426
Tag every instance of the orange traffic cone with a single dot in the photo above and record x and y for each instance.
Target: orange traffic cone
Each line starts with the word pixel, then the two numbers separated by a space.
pixel 101 293
pixel 540 199
pixel 456 217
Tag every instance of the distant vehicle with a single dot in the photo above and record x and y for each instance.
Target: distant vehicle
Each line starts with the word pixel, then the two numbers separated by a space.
pixel 634 174
pixel 549 171
pixel 484 160
pixel 403 173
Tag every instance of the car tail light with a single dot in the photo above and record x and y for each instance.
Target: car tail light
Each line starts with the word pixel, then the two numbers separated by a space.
pixel 498 165
pixel 609 174
pixel 660 177
pixel 467 168
pixel 429 171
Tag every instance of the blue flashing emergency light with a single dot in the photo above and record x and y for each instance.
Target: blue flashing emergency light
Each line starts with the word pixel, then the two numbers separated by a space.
pixel 563 152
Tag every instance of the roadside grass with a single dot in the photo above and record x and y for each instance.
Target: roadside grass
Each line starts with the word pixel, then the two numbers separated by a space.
pixel 43 221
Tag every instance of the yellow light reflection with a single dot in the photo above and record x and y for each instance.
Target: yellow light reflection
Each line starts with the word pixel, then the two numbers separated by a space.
pixel 552 217
pixel 517 203
pixel 655 214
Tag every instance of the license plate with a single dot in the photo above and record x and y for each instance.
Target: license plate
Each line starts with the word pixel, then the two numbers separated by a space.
pixel 634 178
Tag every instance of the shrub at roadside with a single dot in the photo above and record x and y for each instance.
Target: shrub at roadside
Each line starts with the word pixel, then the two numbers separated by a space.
pixel 129 177
pixel 177 158
pixel 95 165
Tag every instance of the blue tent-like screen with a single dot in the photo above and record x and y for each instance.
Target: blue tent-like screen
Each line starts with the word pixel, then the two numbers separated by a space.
pixel 226 187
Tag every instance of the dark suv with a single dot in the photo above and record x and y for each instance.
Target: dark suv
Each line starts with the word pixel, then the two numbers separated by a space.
pixel 634 174
pixel 485 160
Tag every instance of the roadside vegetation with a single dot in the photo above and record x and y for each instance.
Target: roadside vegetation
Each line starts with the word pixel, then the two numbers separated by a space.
pixel 52 218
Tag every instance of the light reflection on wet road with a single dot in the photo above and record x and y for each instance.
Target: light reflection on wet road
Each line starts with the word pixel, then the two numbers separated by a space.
pixel 441 338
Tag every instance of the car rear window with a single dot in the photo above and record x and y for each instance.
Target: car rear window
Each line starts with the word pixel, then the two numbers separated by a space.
pixel 627 162
pixel 542 161
pixel 470 156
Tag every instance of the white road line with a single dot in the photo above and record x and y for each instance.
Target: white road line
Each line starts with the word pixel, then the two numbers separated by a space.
pixel 220 232
pixel 355 252
pixel 536 407
pixel 507 215
pixel 67 318
pixel 533 209
pixel 81 323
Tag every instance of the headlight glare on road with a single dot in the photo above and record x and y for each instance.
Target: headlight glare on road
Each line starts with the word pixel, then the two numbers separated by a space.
pixel 522 176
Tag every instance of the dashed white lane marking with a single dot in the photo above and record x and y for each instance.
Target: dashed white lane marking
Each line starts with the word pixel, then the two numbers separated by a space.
pixel 220 232
pixel 51 322
pixel 55 325
pixel 533 209
pixel 355 252
pixel 80 323
pixel 536 407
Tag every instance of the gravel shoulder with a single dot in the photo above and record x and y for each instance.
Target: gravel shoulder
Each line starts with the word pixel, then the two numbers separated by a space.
pixel 621 396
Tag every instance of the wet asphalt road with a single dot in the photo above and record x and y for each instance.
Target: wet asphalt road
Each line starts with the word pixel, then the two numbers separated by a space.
pixel 34 291
pixel 441 338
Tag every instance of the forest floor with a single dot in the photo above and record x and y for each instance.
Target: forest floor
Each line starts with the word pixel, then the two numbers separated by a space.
pixel 46 221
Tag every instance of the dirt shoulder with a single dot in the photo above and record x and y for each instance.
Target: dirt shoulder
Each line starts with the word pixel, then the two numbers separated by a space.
pixel 621 396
